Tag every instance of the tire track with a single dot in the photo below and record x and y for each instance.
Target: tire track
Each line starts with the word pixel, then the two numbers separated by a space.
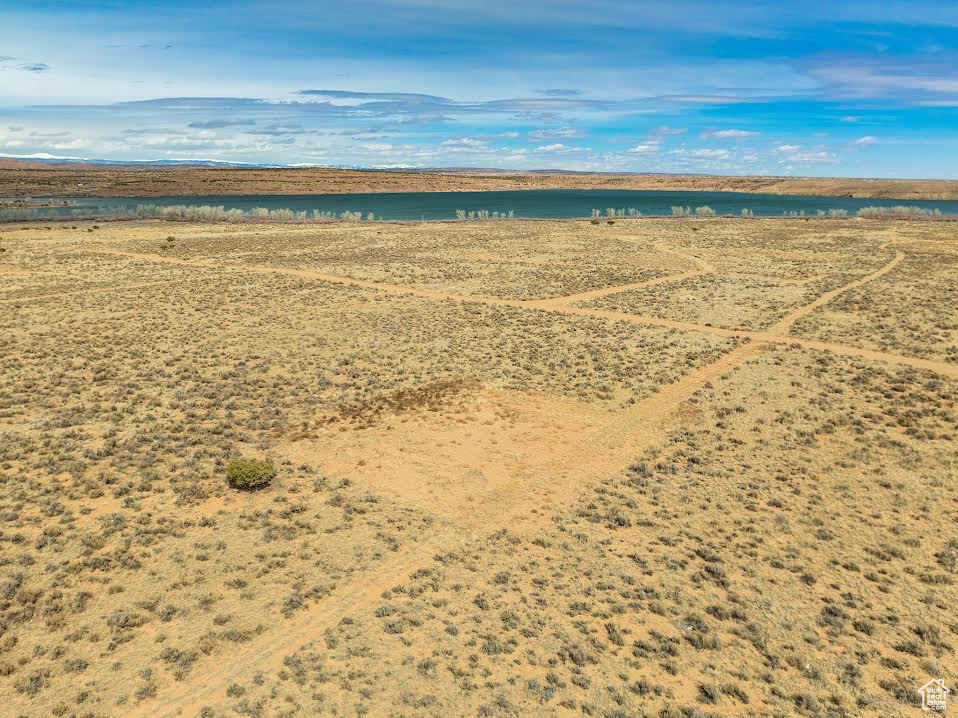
pixel 785 325
pixel 560 303
pixel 777 334
pixel 88 290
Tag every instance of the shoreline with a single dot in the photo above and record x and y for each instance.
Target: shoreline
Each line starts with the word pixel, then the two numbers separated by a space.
pixel 31 222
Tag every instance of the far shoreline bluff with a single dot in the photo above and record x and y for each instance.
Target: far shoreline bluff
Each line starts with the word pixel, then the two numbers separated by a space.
pixel 64 181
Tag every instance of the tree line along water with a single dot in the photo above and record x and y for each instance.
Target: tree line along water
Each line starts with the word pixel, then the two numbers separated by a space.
pixel 466 206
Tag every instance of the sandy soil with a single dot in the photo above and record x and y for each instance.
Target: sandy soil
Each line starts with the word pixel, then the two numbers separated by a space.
pixel 672 468
pixel 106 181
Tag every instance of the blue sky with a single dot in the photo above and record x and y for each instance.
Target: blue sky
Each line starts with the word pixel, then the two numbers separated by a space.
pixel 787 88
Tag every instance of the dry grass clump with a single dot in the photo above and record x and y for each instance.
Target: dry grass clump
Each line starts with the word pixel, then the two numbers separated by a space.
pixel 433 397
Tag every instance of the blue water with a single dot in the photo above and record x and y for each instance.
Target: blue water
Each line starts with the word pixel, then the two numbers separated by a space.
pixel 560 203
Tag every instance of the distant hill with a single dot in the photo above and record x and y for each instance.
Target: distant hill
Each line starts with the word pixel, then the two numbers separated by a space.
pixel 72 177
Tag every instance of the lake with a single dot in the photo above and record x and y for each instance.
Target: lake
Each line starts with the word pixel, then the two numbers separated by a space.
pixel 558 203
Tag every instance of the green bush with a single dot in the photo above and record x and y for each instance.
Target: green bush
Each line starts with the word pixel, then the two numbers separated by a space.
pixel 249 474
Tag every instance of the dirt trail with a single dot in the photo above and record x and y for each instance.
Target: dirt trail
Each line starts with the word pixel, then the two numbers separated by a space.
pixel 560 303
pixel 266 653
pixel 597 451
pixel 778 333
pixel 604 448
pixel 302 273
pixel 932 365
pixel 87 290
pixel 785 325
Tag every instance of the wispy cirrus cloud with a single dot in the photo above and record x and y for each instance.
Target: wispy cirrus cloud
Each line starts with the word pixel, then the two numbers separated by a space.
pixel 710 99
pixel 708 153
pixel 812 157
pixel 909 78
pixel 729 135
pixel 560 148
pixel 219 123
pixel 550 134
pixel 10 62
pixel 560 92
pixel 402 104
pixel 464 143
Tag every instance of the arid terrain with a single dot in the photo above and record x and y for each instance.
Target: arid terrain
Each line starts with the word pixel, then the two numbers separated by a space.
pixel 656 467
pixel 25 179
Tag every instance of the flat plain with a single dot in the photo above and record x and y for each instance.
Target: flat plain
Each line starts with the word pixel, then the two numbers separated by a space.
pixel 655 467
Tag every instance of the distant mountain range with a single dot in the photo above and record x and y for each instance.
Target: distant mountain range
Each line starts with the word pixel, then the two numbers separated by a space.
pixel 45 159
pixel 493 171
pixel 39 161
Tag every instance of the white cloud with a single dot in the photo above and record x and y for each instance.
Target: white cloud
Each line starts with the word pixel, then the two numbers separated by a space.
pixel 708 153
pixel 463 143
pixel 643 149
pixel 377 147
pixel 730 134
pixel 787 149
pixel 815 157
pixel 557 147
pixel 556 133
pixel 70 145
pixel 666 131
pixel 710 99
pixel 865 141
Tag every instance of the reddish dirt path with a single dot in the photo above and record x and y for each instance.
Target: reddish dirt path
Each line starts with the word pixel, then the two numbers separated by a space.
pixel 600 449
